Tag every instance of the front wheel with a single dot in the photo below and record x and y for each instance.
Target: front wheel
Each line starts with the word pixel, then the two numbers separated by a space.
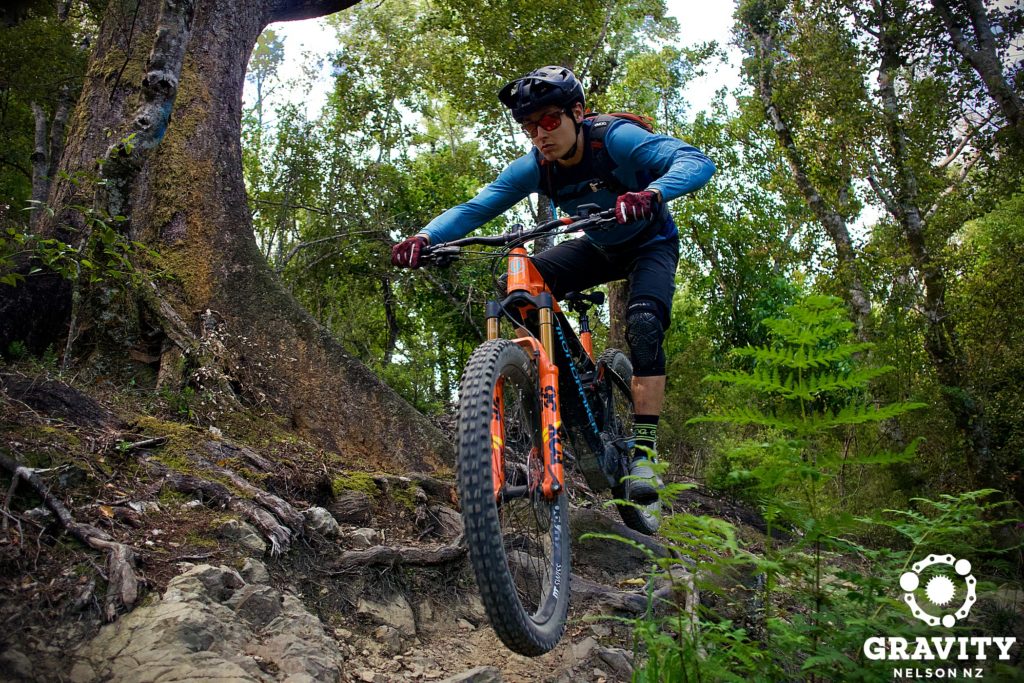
pixel 617 409
pixel 518 540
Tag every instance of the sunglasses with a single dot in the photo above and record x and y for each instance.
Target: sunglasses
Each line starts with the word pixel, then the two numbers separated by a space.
pixel 548 122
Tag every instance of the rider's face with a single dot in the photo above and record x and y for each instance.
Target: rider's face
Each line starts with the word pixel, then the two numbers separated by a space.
pixel 556 143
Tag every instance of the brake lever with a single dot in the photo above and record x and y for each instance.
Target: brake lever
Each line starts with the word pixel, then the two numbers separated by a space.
pixel 440 256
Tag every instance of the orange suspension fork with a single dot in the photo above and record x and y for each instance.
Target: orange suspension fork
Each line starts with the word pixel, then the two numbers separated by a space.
pixel 554 473
pixel 498 436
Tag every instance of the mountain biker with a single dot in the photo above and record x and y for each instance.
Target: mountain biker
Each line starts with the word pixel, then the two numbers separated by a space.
pixel 635 171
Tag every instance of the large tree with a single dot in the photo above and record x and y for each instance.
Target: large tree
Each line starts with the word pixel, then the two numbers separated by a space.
pixel 154 147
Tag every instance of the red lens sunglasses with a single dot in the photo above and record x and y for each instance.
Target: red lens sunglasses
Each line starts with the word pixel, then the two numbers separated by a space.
pixel 548 122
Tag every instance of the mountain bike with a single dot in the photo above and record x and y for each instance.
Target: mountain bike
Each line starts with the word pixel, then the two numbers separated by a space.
pixel 518 398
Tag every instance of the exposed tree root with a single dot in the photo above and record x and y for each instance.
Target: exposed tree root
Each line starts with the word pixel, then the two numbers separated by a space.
pixel 279 535
pixel 123 586
pixel 280 507
pixel 395 555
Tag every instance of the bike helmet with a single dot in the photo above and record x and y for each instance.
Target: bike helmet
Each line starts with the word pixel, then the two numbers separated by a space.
pixel 540 88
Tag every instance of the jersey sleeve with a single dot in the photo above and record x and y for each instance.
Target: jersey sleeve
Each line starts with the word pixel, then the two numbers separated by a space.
pixel 678 168
pixel 517 181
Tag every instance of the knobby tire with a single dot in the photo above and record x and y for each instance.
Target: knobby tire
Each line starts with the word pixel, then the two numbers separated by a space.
pixel 519 548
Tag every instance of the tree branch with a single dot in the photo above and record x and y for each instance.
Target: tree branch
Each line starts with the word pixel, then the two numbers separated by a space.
pixel 40 163
pixel 455 302
pixel 953 185
pixel 395 555
pixel 968 136
pixel 60 119
pixel 834 224
pixel 600 39
pixel 295 10
pixel 984 59
pixel 884 196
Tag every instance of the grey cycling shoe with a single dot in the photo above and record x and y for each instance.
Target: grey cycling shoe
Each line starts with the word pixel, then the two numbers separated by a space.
pixel 644 489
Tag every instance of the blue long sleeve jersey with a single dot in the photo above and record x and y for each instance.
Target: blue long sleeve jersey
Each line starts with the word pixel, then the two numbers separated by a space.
pixel 642 160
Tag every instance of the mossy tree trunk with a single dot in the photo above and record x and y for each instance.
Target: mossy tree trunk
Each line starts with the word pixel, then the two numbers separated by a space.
pixel 180 187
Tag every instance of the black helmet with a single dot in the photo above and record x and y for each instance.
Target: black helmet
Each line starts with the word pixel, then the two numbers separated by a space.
pixel 542 87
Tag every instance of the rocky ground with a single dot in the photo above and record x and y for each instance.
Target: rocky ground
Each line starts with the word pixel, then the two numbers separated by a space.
pixel 140 548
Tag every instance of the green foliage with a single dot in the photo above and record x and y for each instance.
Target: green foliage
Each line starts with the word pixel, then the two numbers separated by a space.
pixel 100 253
pixel 42 62
pixel 985 298
pixel 813 393
pixel 821 592
pixel 13 243
pixel 181 402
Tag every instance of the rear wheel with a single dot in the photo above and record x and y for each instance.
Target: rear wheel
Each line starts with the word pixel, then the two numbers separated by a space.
pixel 618 429
pixel 518 540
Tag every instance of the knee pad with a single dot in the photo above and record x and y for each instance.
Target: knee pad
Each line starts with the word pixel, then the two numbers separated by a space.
pixel 645 333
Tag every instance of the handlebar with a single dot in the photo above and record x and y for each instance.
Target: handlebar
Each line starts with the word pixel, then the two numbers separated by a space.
pixel 589 216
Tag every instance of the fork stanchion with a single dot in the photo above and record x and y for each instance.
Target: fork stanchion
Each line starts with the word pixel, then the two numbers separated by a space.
pixel 546 320
pixel 493 313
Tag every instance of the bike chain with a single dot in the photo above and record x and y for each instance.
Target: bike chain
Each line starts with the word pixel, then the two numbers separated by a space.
pixel 579 382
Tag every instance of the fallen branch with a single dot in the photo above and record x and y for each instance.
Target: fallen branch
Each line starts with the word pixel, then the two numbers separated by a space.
pixel 123 587
pixel 155 441
pixel 620 601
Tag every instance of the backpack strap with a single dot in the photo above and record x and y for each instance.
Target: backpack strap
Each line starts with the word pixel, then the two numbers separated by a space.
pixel 604 162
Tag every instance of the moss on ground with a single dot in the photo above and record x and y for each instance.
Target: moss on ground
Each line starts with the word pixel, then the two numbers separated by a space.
pixel 405 495
pixel 355 481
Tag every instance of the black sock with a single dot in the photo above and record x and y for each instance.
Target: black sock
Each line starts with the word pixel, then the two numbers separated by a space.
pixel 645 432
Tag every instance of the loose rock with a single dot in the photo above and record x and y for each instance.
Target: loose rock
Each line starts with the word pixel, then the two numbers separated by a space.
pixel 365 537
pixel 209 625
pixel 243 534
pixel 319 522
pixel 396 613
pixel 254 571
pixel 481 674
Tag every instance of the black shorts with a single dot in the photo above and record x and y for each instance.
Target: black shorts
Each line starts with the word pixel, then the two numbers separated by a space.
pixel 578 264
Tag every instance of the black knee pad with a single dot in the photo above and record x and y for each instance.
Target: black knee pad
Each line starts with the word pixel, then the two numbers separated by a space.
pixel 645 332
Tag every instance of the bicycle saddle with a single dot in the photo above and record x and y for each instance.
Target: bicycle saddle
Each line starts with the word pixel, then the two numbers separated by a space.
pixel 578 301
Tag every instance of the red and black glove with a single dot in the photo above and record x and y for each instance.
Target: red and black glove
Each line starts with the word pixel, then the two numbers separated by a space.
pixel 406 254
pixel 635 206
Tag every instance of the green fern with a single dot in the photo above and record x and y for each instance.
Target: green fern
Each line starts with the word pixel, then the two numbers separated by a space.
pixel 810 365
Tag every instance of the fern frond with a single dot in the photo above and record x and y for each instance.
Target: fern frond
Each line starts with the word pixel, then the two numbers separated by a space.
pixel 799 358
pixel 818 383
pixel 760 379
pixel 859 413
